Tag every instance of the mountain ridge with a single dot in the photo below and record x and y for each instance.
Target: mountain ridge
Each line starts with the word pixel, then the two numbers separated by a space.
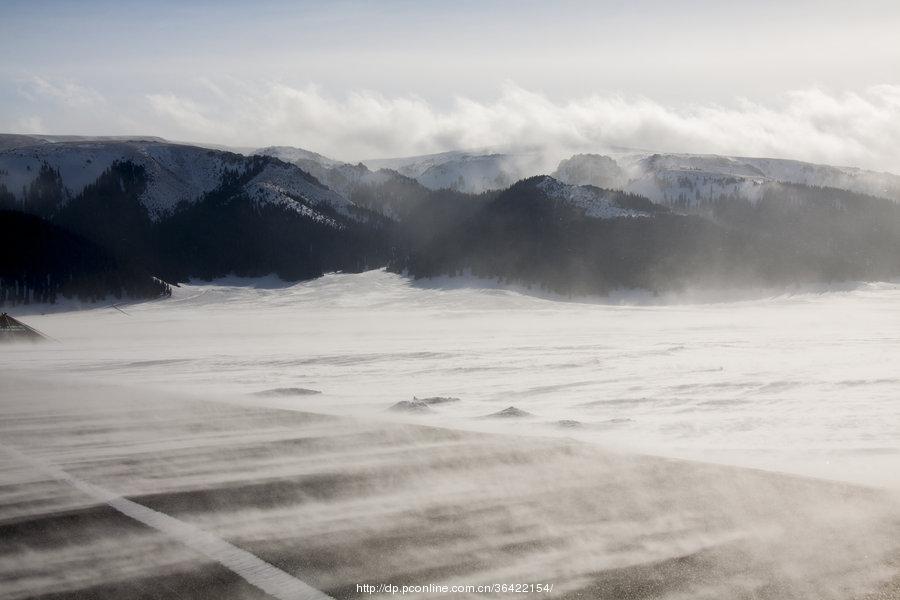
pixel 597 223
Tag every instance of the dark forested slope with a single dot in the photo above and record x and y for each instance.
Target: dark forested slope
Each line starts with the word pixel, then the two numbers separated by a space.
pixel 253 223
pixel 526 235
pixel 40 262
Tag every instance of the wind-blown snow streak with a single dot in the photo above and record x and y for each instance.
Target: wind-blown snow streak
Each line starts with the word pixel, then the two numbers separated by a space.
pixel 804 382
pixel 266 577
pixel 362 500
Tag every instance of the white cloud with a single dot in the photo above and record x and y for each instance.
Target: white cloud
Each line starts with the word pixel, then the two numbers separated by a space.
pixel 859 128
pixel 28 124
pixel 67 93
pixel 187 116
pixel 849 128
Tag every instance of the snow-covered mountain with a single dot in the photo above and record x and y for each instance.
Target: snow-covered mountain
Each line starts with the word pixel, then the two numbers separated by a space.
pixel 383 190
pixel 174 211
pixel 688 179
pixel 176 173
pixel 664 178
pixel 15 140
pixel 627 219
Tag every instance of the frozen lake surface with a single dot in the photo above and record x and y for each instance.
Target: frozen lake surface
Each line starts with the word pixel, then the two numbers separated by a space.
pixel 805 383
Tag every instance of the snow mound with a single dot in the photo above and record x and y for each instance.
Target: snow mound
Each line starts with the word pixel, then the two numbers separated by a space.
pixel 411 406
pixel 510 412
pixel 289 391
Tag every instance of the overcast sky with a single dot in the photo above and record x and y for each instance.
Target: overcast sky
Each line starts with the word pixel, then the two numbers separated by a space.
pixel 812 80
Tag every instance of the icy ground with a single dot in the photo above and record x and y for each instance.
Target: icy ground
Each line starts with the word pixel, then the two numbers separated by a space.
pixel 111 492
pixel 805 383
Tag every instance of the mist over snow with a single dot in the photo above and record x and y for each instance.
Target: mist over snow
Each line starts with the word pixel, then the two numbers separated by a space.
pixel 800 382
pixel 854 128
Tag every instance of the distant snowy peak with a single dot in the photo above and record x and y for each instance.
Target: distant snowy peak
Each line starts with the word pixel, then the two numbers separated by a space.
pixel 285 185
pixel 885 185
pixel 595 202
pixel 346 178
pixel 687 178
pixel 18 140
pixel 712 164
pixel 470 172
pixel 688 188
pixel 664 178
pixel 591 169
pixel 414 166
pixel 293 154
pixel 339 176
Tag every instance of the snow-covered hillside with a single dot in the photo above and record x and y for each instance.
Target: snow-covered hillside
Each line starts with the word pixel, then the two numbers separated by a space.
pixel 283 184
pixel 176 172
pixel 595 202
pixel 886 185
